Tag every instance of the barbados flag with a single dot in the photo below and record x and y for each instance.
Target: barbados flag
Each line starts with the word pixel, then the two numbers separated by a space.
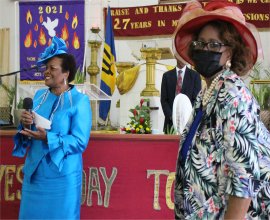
pixel 108 74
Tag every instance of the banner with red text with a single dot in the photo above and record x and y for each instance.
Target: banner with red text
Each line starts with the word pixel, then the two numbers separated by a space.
pixel 42 20
pixel 123 179
pixel 162 19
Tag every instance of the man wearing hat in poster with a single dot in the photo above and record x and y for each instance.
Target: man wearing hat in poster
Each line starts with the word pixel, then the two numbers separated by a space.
pixel 223 167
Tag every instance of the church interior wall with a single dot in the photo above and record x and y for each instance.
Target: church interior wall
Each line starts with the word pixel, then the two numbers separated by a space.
pixel 127 50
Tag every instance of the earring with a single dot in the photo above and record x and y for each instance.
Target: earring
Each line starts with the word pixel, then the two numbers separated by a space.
pixel 65 81
pixel 228 64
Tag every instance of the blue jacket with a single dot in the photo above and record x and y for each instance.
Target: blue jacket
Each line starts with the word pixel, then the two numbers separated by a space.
pixel 70 114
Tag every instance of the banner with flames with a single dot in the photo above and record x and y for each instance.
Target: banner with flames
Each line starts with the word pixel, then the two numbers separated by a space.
pixel 42 20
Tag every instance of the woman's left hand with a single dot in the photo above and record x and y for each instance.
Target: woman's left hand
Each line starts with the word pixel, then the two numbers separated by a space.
pixel 40 134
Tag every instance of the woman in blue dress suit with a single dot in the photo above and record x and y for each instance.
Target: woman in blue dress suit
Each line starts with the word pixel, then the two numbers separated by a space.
pixel 52 181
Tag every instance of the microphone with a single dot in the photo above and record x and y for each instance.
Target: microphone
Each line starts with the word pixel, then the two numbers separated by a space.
pixel 28 105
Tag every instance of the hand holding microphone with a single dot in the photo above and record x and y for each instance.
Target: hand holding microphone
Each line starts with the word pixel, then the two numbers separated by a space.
pixel 27 117
pixel 27 121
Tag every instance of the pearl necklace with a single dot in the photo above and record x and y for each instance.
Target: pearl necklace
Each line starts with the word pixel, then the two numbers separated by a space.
pixel 208 92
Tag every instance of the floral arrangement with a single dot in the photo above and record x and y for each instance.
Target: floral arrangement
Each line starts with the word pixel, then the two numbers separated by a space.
pixel 140 119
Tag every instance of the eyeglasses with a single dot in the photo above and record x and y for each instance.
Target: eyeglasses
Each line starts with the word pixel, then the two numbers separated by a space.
pixel 211 46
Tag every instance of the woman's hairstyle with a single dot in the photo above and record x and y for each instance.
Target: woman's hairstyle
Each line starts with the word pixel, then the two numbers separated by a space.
pixel 68 64
pixel 241 61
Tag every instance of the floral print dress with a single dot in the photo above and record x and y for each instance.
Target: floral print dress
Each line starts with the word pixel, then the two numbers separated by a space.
pixel 229 155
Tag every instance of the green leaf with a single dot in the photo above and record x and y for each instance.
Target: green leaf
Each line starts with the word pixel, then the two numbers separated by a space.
pixel 79 77
pixel 11 92
pixel 170 130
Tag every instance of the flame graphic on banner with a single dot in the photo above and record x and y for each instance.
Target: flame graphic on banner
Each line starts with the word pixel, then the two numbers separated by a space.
pixel 42 37
pixel 67 15
pixel 49 42
pixel 41 19
pixel 28 17
pixel 36 27
pixel 74 22
pixel 35 44
pixel 64 34
pixel 75 41
pixel 28 39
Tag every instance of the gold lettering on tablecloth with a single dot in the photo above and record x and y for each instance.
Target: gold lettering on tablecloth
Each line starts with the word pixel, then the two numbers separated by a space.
pixel 19 177
pixel 169 184
pixel 84 188
pixel 94 185
pixel 2 171
pixel 9 174
pixel 170 179
pixel 108 184
pixel 11 178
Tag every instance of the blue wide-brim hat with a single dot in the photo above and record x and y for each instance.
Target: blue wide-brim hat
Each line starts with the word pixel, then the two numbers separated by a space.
pixel 58 46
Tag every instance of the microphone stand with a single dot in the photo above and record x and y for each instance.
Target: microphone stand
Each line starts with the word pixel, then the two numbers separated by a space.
pixel 15 72
pixel 18 71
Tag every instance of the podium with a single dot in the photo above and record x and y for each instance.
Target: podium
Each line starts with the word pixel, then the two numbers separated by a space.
pixel 95 95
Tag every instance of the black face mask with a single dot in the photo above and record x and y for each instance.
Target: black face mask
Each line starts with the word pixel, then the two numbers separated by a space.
pixel 206 62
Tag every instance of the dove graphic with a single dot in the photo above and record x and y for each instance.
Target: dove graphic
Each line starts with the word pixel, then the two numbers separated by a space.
pixel 50 26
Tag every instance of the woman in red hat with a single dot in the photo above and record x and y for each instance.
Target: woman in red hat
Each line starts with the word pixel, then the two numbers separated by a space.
pixel 223 166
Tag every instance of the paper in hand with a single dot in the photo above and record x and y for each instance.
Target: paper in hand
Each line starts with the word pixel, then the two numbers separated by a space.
pixel 41 121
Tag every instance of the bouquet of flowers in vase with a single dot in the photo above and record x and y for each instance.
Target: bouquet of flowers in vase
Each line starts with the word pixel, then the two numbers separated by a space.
pixel 140 119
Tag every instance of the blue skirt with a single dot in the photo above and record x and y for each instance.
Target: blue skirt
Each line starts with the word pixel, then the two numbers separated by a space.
pixel 51 198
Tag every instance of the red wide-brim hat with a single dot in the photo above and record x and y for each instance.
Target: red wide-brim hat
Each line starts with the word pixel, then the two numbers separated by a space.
pixel 194 17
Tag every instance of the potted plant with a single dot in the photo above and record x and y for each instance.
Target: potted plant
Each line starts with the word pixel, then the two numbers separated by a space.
pixel 79 80
pixel 260 88
pixel 17 112
pixel 140 119
pixel 10 90
pixel 6 111
pixel 171 130
pixel 79 77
